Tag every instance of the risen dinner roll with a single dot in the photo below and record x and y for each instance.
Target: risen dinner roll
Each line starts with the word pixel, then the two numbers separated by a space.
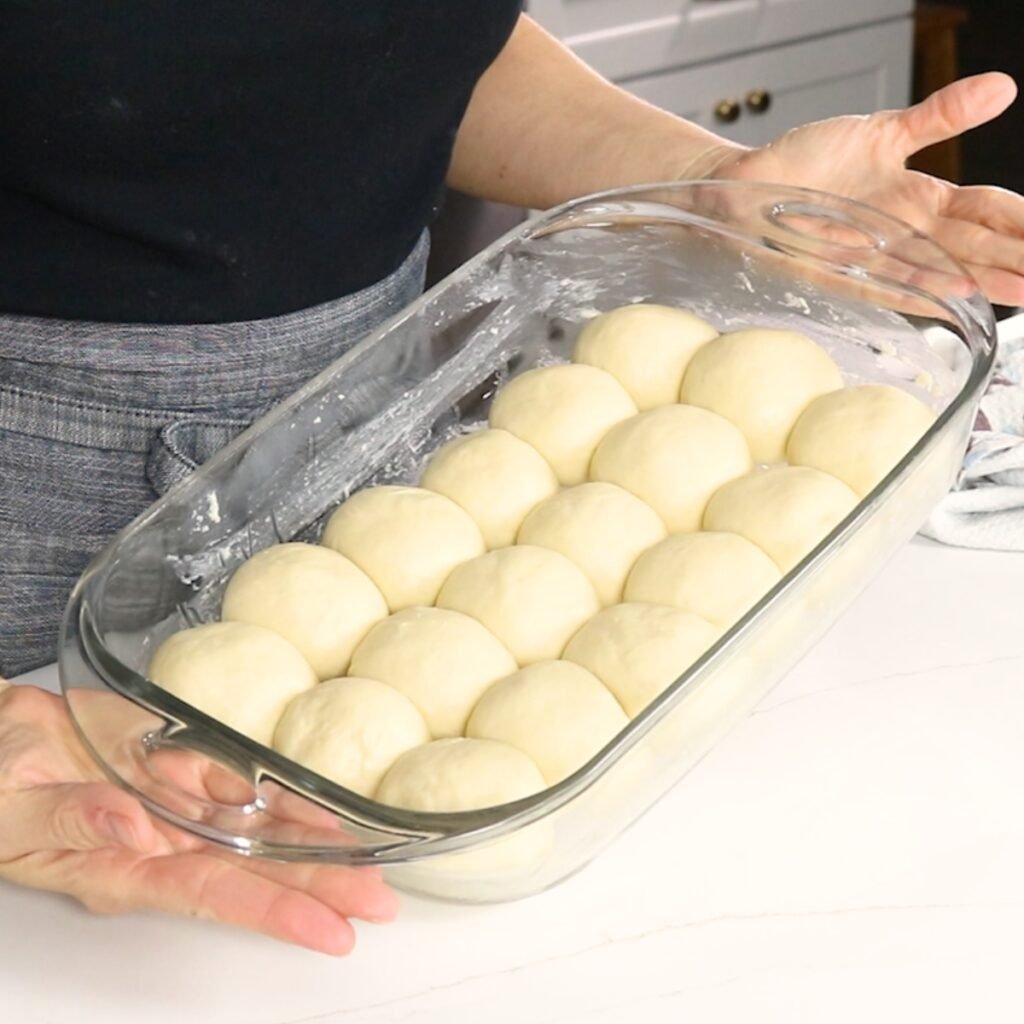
pixel 718 576
pixel 761 380
pixel 530 598
pixel 441 660
pixel 495 477
pixel 314 597
pixel 637 650
pixel 406 539
pixel 645 347
pixel 785 510
pixel 555 711
pixel 453 775
pixel 563 411
pixel 459 774
pixel 600 527
pixel 350 730
pixel 859 434
pixel 239 674
pixel 674 458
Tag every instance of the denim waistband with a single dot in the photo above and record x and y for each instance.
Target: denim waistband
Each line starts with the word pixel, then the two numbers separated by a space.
pixel 234 367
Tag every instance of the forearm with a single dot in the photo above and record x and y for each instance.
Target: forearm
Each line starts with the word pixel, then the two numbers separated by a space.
pixel 542 128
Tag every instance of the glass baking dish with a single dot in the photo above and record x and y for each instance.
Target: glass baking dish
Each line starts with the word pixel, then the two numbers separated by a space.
pixel 886 302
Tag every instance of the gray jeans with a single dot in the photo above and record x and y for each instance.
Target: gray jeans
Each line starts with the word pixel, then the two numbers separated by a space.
pixel 98 420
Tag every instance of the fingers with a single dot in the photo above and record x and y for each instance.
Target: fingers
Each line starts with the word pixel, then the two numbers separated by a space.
pixel 307 905
pixel 1000 286
pixel 996 208
pixel 995 258
pixel 354 892
pixel 201 777
pixel 974 243
pixel 204 886
pixel 47 804
pixel 288 806
pixel 952 111
pixel 981 226
pixel 199 885
pixel 287 818
pixel 72 816
pixel 95 842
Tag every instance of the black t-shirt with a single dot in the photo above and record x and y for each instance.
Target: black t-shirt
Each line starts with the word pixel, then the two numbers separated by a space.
pixel 215 160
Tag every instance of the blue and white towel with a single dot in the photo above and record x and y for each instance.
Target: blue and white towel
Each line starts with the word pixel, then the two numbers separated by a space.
pixel 986 508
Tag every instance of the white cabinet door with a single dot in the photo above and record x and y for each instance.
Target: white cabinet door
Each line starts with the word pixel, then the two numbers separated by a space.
pixel 853 72
pixel 627 38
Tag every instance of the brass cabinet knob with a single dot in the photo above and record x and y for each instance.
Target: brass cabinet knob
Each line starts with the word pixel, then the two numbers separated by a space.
pixel 728 111
pixel 758 101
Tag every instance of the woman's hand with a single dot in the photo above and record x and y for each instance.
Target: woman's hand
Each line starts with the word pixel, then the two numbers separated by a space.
pixel 543 128
pixel 64 829
pixel 864 158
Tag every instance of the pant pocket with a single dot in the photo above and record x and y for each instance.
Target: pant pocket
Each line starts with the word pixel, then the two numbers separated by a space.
pixel 72 474
pixel 179 448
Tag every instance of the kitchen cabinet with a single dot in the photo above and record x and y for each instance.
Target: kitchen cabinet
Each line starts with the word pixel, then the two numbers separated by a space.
pixel 756 97
pixel 763 65
pixel 627 38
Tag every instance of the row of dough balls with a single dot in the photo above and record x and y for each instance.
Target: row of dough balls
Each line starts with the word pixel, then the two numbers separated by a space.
pixel 484 661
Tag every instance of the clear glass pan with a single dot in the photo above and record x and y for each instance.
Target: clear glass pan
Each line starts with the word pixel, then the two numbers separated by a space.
pixel 886 302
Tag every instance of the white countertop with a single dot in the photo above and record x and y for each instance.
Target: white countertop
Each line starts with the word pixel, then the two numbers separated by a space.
pixel 853 852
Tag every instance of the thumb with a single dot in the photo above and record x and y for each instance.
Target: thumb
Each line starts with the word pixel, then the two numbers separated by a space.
pixel 73 816
pixel 953 110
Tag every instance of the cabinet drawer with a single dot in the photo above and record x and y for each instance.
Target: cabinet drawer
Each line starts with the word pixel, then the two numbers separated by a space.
pixel 627 38
pixel 854 72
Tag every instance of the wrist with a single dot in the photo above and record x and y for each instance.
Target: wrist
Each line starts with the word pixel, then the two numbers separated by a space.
pixel 710 161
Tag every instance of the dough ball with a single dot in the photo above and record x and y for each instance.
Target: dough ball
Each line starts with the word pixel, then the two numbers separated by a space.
pixel 761 380
pixel 674 458
pixel 238 674
pixel 441 660
pixel 350 731
pixel 530 598
pixel 312 596
pixel 458 774
pixel 645 347
pixel 638 650
pixel 563 411
pixel 452 775
pixel 406 539
pixel 555 711
pixel 495 477
pixel 599 527
pixel 859 434
pixel 785 510
pixel 718 576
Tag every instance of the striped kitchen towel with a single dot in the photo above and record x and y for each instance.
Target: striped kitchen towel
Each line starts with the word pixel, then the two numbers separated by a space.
pixel 986 508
